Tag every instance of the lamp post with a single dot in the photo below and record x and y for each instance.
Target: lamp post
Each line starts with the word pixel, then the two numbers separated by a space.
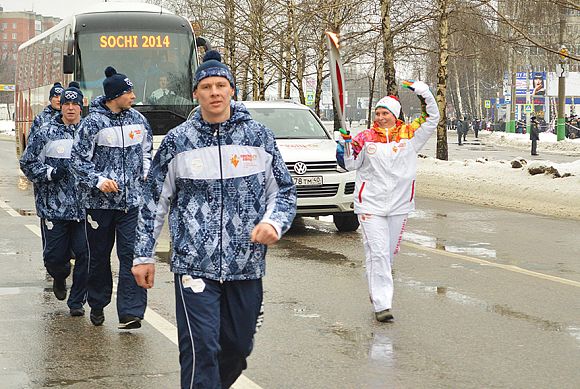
pixel 561 126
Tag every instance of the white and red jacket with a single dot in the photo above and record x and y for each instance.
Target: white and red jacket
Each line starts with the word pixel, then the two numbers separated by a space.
pixel 386 163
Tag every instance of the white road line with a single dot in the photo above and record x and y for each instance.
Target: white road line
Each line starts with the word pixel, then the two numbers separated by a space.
pixel 511 268
pixel 163 325
pixel 9 209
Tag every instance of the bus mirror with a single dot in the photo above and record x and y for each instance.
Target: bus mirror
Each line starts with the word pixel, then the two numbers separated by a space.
pixel 203 42
pixel 70 44
pixel 68 64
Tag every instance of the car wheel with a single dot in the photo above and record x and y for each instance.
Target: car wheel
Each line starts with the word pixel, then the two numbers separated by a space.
pixel 346 222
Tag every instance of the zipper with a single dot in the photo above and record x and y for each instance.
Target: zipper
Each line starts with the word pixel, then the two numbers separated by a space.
pixel 123 161
pixel 217 135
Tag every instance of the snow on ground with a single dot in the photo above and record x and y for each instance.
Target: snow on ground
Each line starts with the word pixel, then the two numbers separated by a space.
pixel 497 184
pixel 547 142
pixel 7 126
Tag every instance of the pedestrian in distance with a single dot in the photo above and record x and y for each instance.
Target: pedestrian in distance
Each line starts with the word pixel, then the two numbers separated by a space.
pixel 534 134
pixel 476 126
pixel 460 129
pixel 229 195
pixel 47 163
pixel 50 111
pixel 465 123
pixel 385 160
pixel 112 155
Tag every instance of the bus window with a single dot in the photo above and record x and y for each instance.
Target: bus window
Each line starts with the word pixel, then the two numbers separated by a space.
pixel 156 62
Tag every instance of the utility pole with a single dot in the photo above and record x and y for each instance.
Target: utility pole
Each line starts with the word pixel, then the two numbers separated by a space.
pixel 510 123
pixel 561 126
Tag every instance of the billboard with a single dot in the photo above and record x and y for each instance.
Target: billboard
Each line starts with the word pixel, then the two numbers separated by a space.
pixel 533 83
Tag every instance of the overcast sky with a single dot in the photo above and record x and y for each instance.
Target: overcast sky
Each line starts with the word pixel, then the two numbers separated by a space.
pixel 58 8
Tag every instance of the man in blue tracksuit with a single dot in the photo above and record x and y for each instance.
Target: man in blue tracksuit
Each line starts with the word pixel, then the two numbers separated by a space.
pixel 50 111
pixel 47 163
pixel 221 178
pixel 111 156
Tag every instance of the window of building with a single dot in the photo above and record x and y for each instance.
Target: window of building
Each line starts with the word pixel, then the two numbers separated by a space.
pixel 14 36
pixel 4 26
pixel 14 26
pixel 4 36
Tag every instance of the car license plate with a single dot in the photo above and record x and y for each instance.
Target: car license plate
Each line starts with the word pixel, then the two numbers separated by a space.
pixel 307 181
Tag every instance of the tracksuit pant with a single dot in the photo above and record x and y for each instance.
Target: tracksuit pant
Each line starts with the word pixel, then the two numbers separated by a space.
pixel 105 227
pixel 381 239
pixel 59 237
pixel 216 323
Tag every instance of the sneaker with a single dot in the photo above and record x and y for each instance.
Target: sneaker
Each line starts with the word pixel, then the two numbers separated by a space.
pixel 384 316
pixel 59 288
pixel 129 323
pixel 97 317
pixel 77 311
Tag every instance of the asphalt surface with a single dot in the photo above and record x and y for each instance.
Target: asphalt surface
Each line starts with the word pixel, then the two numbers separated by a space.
pixel 483 298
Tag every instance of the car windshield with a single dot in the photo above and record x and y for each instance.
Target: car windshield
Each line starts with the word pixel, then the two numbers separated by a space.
pixel 289 123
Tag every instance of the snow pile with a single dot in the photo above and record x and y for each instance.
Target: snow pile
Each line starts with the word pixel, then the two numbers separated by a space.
pixel 498 184
pixel 7 126
pixel 547 142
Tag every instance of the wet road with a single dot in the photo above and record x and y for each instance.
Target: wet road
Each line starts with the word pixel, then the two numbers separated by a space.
pixel 483 298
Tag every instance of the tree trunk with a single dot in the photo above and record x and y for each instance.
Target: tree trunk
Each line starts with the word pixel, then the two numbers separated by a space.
pixel 442 150
pixel 460 108
pixel 388 49
pixel 319 69
pixel 372 89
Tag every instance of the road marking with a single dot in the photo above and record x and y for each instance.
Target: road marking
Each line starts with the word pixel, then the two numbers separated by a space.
pixel 164 326
pixel 511 268
pixel 9 209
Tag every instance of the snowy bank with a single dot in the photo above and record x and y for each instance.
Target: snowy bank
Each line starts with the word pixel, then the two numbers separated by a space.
pixel 497 184
pixel 7 126
pixel 547 142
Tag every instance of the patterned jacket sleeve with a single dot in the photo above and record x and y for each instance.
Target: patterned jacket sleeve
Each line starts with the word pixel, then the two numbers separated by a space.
pixel 147 148
pixel 280 189
pixel 158 189
pixel 82 154
pixel 32 160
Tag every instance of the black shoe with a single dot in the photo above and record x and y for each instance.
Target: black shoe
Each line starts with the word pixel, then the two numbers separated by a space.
pixel 97 317
pixel 59 288
pixel 535 154
pixel 129 323
pixel 384 316
pixel 77 311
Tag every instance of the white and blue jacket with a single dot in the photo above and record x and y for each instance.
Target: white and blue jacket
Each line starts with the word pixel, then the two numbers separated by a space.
pixel 114 146
pixel 49 148
pixel 217 182
pixel 44 117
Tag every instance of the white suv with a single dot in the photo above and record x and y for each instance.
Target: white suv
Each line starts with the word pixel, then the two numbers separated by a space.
pixel 309 150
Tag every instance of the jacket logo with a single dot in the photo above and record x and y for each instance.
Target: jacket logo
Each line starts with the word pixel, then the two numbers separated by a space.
pixel 395 149
pixel 371 148
pixel 110 139
pixel 60 149
pixel 134 133
pixel 235 160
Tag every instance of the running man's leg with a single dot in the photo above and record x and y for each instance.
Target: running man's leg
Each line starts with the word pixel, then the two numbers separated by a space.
pixel 100 230
pixel 197 306
pixel 80 248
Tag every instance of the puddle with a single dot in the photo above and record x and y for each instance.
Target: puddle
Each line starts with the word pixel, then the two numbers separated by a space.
pixel 473 249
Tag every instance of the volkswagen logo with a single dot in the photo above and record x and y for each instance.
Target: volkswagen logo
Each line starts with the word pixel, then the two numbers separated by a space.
pixel 300 168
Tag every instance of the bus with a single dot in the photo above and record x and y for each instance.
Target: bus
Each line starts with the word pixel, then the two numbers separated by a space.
pixel 155 48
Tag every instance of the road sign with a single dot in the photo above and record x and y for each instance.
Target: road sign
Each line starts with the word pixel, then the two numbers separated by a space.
pixel 528 108
pixel 7 87
pixel 309 98
pixel 487 103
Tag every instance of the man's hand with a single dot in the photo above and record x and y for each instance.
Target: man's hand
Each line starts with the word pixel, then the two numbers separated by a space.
pixel 144 275
pixel 109 186
pixel 264 233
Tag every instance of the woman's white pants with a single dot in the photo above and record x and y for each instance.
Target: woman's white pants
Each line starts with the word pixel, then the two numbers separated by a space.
pixel 381 238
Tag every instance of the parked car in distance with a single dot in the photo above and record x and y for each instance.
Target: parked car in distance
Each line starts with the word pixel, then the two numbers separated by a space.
pixel 309 150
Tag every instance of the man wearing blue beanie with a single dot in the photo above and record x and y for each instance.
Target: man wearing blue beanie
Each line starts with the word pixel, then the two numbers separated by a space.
pixel 47 163
pixel 229 195
pixel 49 111
pixel 111 156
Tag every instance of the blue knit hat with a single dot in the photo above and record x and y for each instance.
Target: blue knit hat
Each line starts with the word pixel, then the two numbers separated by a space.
pixel 72 94
pixel 115 84
pixel 56 90
pixel 212 66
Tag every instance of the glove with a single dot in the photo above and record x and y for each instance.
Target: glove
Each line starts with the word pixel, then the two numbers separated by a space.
pixel 419 87
pixel 57 174
pixel 345 135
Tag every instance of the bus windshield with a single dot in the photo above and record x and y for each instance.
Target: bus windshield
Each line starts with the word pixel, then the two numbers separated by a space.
pixel 158 64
